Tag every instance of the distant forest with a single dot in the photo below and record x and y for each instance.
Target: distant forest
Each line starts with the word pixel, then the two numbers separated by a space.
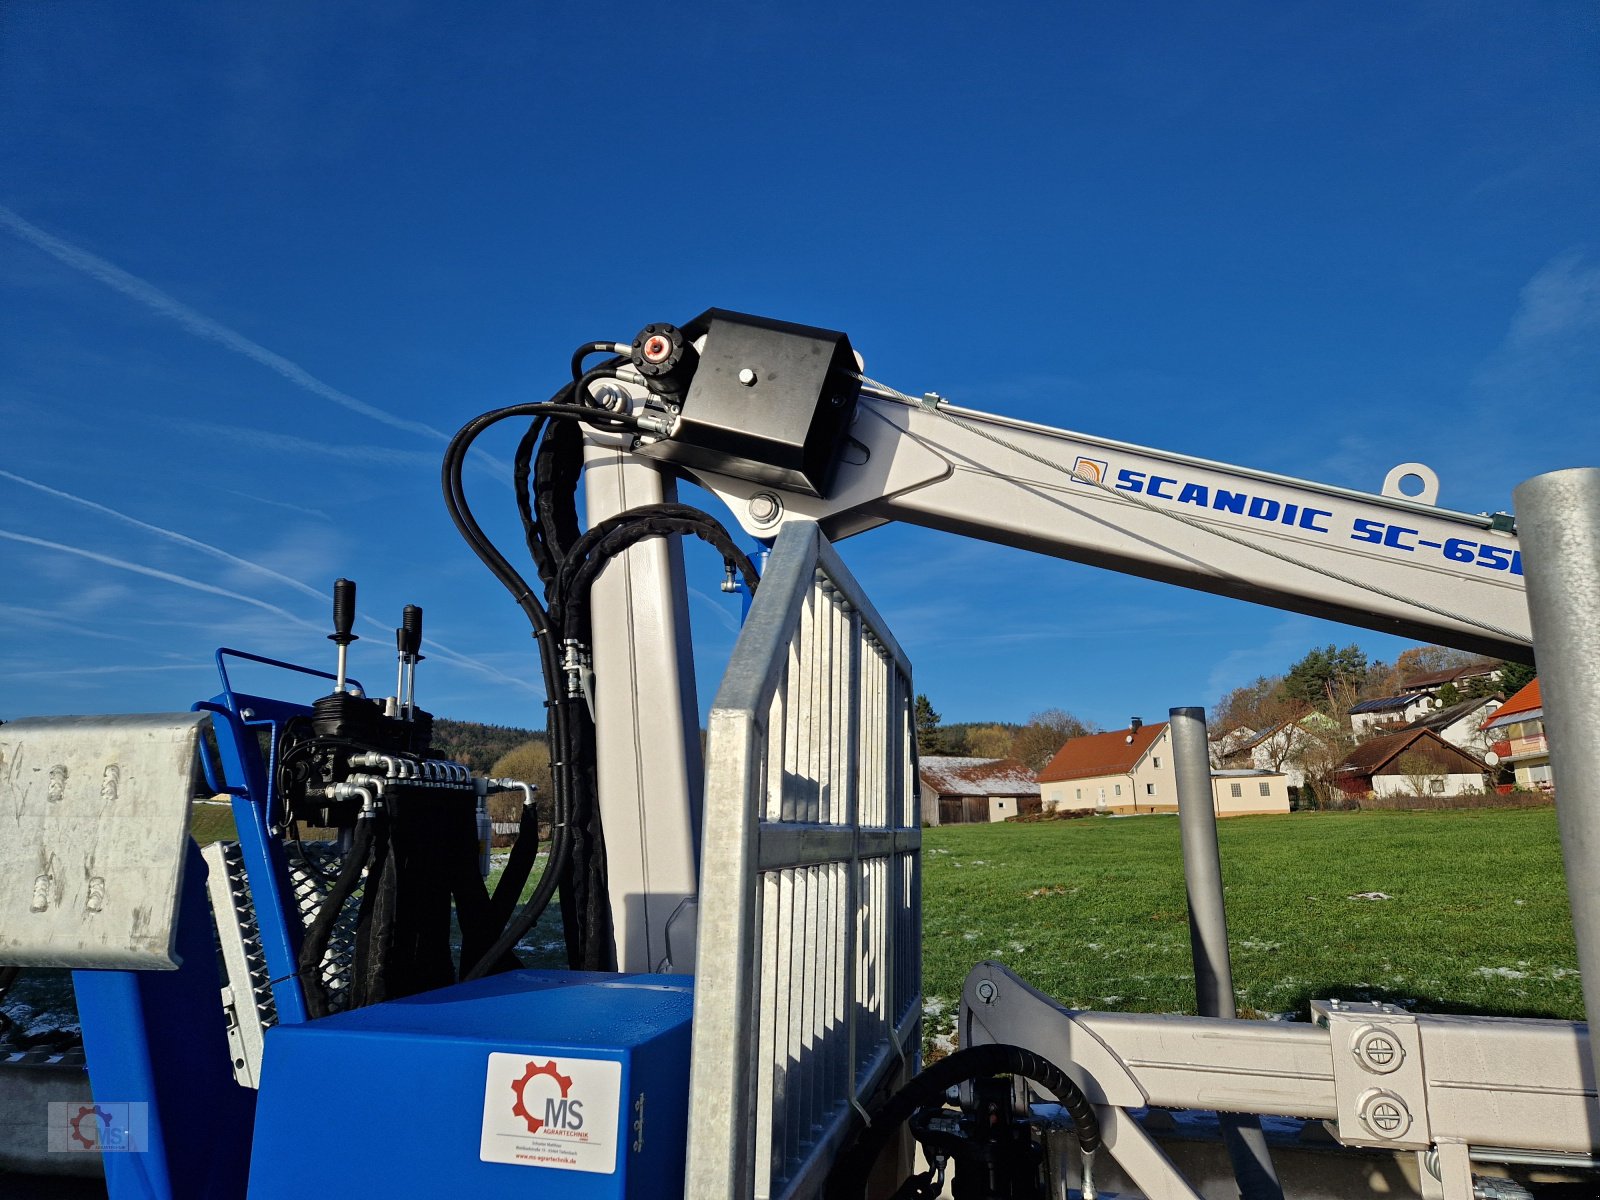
pixel 479 746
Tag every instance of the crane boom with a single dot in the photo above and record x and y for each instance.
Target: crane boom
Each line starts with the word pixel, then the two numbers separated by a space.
pixel 1385 562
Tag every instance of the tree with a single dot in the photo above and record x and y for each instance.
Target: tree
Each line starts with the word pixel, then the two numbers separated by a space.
pixel 1427 660
pixel 1264 707
pixel 1045 733
pixel 528 763
pixel 930 739
pixel 1324 678
pixel 989 741
pixel 1515 676
pixel 1319 757
pixel 1256 706
pixel 1449 694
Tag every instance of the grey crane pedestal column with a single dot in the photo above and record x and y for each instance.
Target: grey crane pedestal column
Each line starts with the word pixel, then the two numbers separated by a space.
pixel 1208 935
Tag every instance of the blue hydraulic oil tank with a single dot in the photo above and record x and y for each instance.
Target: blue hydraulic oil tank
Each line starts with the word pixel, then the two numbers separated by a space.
pixel 526 1084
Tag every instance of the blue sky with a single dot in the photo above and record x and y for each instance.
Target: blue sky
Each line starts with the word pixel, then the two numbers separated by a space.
pixel 256 263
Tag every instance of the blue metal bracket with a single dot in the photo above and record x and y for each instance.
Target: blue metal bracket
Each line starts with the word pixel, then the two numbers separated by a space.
pixel 158 1039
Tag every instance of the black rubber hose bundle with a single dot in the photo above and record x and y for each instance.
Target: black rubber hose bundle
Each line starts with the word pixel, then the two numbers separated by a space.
pixel 546 470
pixel 466 524
pixel 848 1179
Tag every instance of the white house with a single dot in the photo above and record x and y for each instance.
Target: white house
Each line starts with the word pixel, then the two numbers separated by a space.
pixel 1124 771
pixel 1462 724
pixel 1240 793
pixel 1279 749
pixel 1388 713
pixel 1409 763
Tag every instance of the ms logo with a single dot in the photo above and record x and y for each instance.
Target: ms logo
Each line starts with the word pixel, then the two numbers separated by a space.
pixel 89 1126
pixel 560 1111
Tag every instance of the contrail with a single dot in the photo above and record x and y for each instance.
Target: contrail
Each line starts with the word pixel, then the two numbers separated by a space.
pixel 151 572
pixel 130 668
pixel 38 616
pixel 158 302
pixel 171 535
pixel 288 444
pixel 299 508
pixel 182 539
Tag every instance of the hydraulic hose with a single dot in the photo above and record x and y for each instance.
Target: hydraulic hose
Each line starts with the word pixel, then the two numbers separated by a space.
pixel 848 1179
pixel 321 931
pixel 588 348
pixel 466 524
pixel 550 457
pixel 524 852
pixel 644 524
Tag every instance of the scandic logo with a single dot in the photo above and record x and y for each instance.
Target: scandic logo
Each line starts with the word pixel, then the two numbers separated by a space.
pixel 562 1113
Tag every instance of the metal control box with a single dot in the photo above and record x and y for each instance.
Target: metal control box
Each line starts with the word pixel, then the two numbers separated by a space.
pixel 527 1084
pixel 770 402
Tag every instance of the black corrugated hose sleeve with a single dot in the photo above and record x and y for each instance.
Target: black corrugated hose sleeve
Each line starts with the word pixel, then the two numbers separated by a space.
pixel 574 612
pixel 556 467
pixel 584 547
pixel 848 1179
pixel 521 470
pixel 317 937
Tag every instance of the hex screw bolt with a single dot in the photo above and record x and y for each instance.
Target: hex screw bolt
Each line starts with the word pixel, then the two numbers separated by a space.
pixel 765 508
pixel 987 991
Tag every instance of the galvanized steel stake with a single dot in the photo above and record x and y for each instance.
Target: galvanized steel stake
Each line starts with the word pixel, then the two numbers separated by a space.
pixel 1558 525
pixel 1208 934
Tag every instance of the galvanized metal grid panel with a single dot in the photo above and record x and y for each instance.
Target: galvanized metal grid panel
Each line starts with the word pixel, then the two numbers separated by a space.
pixel 808 977
pixel 95 814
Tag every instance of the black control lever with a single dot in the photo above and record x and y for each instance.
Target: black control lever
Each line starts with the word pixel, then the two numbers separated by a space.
pixel 344 618
pixel 408 640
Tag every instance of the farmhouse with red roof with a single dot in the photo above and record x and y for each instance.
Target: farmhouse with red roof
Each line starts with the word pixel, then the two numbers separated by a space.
pixel 1126 770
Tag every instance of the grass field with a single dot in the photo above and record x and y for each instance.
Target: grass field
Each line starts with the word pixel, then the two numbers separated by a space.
pixel 1092 912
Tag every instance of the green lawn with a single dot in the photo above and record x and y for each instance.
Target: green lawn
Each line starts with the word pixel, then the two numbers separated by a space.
pixel 1092 911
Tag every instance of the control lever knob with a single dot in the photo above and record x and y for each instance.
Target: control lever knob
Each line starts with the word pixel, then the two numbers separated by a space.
pixel 344 612
pixel 409 635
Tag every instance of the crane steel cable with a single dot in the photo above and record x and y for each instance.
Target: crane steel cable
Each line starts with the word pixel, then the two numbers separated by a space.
pixel 934 405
